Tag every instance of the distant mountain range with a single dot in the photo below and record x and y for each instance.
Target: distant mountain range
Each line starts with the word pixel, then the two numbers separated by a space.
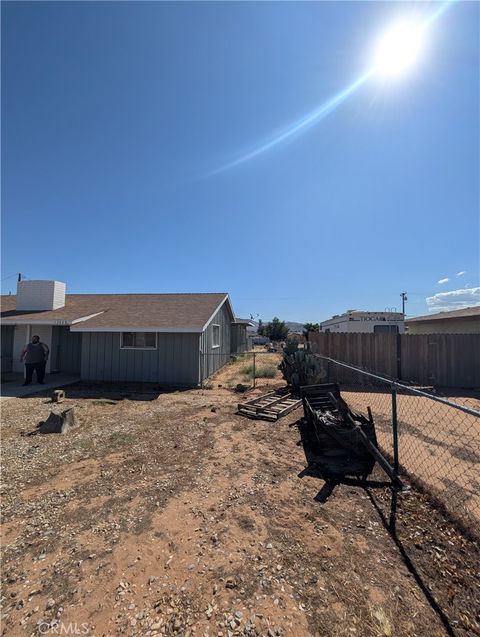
pixel 293 326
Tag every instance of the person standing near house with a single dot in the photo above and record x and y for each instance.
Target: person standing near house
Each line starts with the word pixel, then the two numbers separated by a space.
pixel 35 356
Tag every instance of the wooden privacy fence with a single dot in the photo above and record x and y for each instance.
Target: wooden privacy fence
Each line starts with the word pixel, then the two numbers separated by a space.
pixel 442 360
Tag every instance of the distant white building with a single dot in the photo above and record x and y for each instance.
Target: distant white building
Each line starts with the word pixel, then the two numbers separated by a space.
pixel 365 322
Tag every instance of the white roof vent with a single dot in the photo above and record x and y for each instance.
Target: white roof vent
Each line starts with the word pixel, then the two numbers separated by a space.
pixel 40 295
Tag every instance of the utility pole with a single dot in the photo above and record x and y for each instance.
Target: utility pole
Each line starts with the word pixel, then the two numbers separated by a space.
pixel 399 376
pixel 404 298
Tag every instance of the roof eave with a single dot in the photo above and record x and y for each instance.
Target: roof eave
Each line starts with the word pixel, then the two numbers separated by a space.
pixel 430 319
pixel 138 328
pixel 15 321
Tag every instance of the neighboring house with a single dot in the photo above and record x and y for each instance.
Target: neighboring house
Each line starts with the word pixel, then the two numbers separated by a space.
pixel 365 322
pixel 252 329
pixel 175 339
pixel 240 339
pixel 466 321
pixel 298 337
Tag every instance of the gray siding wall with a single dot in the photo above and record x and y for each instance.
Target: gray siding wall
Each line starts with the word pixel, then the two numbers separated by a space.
pixel 212 358
pixel 174 362
pixel 239 341
pixel 66 351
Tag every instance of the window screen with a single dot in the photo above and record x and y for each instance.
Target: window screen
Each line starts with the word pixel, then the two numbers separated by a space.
pixel 215 335
pixel 385 329
pixel 139 340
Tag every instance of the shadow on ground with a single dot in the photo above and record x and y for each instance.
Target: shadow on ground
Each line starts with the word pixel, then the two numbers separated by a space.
pixel 389 521
pixel 113 392
pixel 385 500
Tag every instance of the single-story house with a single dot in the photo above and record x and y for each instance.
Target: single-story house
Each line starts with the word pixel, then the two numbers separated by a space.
pixel 171 339
pixel 465 321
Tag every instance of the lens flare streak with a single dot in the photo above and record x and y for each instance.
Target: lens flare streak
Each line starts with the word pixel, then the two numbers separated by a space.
pixel 299 126
pixel 314 117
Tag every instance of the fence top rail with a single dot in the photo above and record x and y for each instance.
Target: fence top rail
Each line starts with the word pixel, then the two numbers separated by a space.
pixel 396 384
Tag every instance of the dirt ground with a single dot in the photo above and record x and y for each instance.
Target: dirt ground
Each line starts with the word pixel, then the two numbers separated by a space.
pixel 171 515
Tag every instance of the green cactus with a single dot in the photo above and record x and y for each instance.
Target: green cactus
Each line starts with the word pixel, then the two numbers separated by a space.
pixel 300 367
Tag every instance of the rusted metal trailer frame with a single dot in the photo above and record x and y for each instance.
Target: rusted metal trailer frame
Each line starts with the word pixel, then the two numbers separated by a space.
pixel 347 444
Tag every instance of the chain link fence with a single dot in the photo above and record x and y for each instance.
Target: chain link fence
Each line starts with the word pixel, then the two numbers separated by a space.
pixel 254 368
pixel 435 441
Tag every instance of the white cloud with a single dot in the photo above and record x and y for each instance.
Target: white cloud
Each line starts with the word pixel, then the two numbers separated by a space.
pixel 446 280
pixel 453 300
pixel 461 273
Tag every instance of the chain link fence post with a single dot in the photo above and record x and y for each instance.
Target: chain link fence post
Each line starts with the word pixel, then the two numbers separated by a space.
pixel 395 428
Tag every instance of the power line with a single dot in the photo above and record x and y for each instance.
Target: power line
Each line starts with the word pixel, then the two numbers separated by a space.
pixel 17 274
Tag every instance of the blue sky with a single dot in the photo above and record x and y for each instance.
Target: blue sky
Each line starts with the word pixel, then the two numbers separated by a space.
pixel 118 119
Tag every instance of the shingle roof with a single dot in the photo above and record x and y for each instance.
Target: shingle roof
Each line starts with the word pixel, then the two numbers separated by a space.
pixel 76 306
pixel 179 312
pixel 467 312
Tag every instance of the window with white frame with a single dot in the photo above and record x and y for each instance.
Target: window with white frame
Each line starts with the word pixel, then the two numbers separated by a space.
pixel 138 340
pixel 215 335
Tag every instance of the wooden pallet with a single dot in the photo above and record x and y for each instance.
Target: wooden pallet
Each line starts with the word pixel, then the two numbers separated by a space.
pixel 271 406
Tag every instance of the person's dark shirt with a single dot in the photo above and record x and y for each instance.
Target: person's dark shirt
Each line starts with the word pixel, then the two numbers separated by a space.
pixel 35 353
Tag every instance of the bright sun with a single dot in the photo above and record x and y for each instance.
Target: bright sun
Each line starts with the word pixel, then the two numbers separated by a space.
pixel 399 48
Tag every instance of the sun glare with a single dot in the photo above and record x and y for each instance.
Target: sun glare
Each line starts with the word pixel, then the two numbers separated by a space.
pixel 399 48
